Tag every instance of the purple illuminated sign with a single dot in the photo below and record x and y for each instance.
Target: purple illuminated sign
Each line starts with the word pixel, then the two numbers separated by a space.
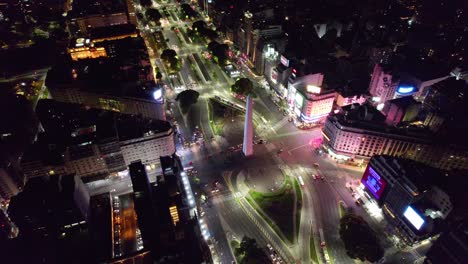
pixel 373 182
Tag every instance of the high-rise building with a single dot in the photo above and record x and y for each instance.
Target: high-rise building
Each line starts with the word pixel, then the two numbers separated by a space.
pixel 92 142
pixel 117 76
pixel 411 194
pixel 310 101
pixel 48 213
pixel 359 132
pixel 401 110
pixel 88 14
pixel 383 84
pixel 147 217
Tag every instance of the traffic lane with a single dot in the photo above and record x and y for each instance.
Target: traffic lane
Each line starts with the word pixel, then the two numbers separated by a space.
pixel 240 224
pixel 329 210
pixel 218 234
pixel 305 228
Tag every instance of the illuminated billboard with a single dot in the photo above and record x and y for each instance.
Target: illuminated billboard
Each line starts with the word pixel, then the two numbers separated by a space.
pixel 413 217
pixel 313 89
pixel 298 103
pixel 284 61
pixel 157 94
pixel 406 89
pixel 373 182
pixel 274 75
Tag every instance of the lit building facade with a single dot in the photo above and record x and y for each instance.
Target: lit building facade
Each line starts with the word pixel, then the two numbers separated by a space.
pixel 107 152
pixel 358 133
pixel 307 100
pixel 8 187
pixel 383 85
pixel 126 105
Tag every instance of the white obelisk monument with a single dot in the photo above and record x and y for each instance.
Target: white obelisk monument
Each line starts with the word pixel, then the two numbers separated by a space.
pixel 247 147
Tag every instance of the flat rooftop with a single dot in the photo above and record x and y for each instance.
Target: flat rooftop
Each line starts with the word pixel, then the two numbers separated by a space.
pixel 125 72
pixel 77 121
pixel 111 31
pixel 76 126
pixel 84 8
pixel 368 118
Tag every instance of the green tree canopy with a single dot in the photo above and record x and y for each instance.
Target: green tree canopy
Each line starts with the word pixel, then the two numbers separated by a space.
pixel 169 56
pixel 186 99
pixel 201 28
pixel 146 3
pixel 153 14
pixel 188 11
pixel 219 51
pixel 360 240
pixel 198 25
pixel 249 252
pixel 243 86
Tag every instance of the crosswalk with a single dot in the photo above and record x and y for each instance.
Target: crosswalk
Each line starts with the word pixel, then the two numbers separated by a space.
pixel 281 123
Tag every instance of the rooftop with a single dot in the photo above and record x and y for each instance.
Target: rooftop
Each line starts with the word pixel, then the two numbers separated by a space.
pixel 368 118
pixel 422 176
pixel 124 72
pixel 74 125
pixel 403 102
pixel 311 85
pixel 116 30
pixel 84 8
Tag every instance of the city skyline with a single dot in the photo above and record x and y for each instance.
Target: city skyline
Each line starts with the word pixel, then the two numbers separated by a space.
pixel 174 131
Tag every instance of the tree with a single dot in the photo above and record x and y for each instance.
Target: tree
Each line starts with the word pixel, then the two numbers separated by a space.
pixel 243 86
pixel 153 14
pixel 158 75
pixel 198 25
pixel 146 3
pixel 212 45
pixel 139 16
pixel 188 11
pixel 360 240
pixel 220 52
pixel 169 56
pixel 186 99
pixel 200 28
pixel 249 252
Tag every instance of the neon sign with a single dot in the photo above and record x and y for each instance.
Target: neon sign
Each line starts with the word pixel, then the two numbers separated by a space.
pixel 406 89
pixel 373 182
pixel 284 61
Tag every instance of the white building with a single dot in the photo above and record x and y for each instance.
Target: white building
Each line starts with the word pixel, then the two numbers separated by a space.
pixel 107 147
pixel 359 132
pixel 308 101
